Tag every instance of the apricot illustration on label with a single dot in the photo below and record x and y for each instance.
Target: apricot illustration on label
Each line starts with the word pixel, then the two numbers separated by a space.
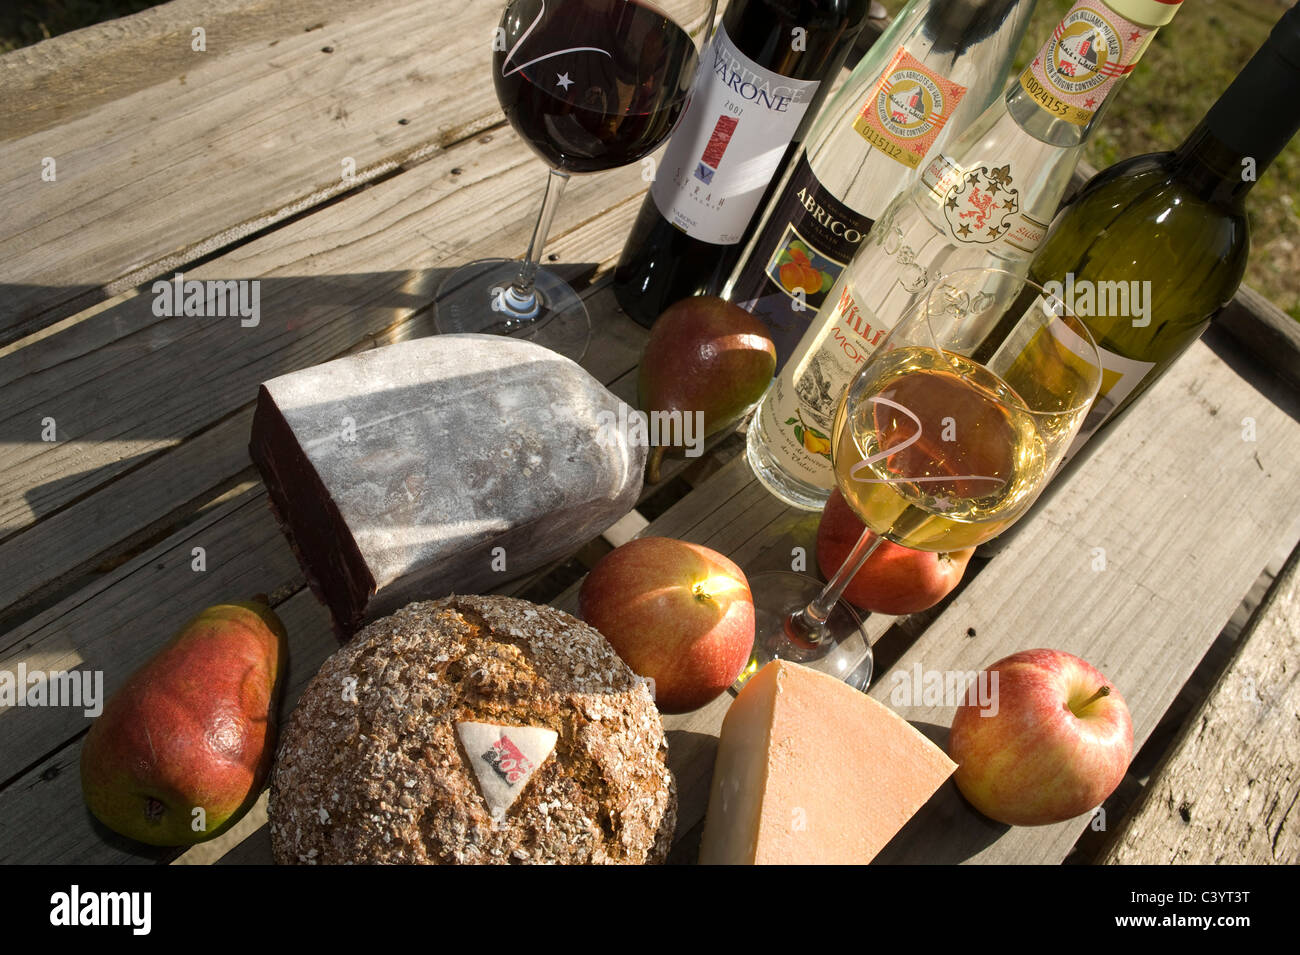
pixel 797 271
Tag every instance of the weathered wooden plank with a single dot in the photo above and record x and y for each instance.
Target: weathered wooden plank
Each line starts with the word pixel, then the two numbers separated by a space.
pixel 220 143
pixel 1270 335
pixel 109 381
pixel 1227 793
pixel 130 506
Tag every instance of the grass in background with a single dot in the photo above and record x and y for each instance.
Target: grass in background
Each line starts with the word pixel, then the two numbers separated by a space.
pixel 24 22
pixel 1190 63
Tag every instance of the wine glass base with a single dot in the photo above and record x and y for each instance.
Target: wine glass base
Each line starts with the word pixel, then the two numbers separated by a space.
pixel 845 653
pixel 469 301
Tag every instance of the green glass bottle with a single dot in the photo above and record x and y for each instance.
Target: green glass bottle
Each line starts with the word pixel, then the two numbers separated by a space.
pixel 1151 249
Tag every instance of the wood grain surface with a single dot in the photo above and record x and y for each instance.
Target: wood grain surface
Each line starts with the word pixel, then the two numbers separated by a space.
pixel 1228 791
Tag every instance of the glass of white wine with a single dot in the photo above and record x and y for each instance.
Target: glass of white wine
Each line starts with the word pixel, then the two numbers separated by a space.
pixel 944 437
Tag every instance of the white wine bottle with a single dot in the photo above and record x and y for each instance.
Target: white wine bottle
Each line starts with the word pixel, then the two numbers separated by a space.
pixel 1153 248
pixel 938 66
pixel 983 201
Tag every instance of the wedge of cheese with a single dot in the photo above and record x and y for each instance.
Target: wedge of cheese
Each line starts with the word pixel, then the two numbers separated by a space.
pixel 812 771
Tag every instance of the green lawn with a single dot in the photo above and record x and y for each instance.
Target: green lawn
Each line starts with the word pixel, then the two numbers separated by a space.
pixel 23 22
pixel 1189 64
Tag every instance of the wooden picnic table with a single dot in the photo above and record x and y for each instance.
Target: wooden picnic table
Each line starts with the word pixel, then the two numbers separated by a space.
pixel 347 156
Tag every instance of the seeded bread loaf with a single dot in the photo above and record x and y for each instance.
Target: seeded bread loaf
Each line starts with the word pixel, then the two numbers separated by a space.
pixel 473 730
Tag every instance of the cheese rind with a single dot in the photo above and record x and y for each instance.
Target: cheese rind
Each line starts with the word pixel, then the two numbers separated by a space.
pixel 439 465
pixel 812 771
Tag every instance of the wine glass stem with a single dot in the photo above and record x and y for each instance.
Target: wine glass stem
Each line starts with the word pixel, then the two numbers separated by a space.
pixel 808 626
pixel 519 302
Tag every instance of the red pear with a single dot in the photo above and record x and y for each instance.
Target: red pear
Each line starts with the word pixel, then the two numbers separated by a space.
pixel 708 355
pixel 182 749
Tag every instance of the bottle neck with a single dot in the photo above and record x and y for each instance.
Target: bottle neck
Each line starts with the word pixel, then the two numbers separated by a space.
pixel 1061 95
pixel 1250 123
pixel 1214 171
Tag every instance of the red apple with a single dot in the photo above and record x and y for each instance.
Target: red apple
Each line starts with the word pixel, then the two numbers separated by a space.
pixel 1055 743
pixel 895 579
pixel 678 613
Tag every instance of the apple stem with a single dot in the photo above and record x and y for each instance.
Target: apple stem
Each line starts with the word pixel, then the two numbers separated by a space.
pixel 1104 691
pixel 652 463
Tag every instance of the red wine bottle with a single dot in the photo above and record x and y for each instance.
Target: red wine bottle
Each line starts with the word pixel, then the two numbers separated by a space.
pixel 760 82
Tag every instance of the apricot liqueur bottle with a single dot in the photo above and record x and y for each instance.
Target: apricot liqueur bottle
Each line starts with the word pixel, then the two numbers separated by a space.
pixel 984 201
pixel 937 67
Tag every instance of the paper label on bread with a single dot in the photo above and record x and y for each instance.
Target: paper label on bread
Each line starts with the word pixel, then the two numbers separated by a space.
pixel 504 758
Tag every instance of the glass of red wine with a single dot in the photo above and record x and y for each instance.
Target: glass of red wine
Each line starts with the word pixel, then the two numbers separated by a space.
pixel 590 85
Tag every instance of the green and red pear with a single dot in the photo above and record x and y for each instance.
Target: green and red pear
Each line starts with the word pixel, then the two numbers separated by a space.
pixel 704 354
pixel 183 747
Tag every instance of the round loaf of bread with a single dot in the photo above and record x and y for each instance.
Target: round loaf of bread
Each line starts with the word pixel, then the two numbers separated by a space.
pixel 473 730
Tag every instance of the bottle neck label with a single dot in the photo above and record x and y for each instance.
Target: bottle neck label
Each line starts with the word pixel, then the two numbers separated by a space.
pixel 800 251
pixel 732 137
pixel 1088 53
pixel 907 109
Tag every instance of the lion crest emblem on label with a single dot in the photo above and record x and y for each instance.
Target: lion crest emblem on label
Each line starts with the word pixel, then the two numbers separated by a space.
pixel 981 204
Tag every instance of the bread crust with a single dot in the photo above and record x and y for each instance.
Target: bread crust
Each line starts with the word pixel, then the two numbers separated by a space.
pixel 370 768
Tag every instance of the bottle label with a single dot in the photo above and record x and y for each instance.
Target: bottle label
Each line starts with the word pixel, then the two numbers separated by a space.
pixel 720 160
pixel 798 413
pixel 1120 376
pixel 807 240
pixel 981 205
pixel 1087 54
pixel 907 109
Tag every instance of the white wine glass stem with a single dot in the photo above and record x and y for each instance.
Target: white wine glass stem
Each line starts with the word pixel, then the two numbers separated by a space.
pixel 807 627
pixel 518 304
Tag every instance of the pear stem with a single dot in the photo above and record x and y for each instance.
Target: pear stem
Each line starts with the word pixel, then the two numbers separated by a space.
pixel 652 463
pixel 153 809
pixel 1104 691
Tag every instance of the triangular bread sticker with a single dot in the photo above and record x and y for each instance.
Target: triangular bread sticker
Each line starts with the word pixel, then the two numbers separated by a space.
pixel 504 758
